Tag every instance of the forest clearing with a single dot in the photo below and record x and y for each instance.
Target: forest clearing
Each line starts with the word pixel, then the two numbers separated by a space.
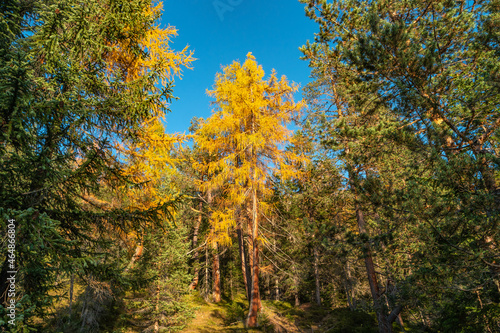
pixel 365 198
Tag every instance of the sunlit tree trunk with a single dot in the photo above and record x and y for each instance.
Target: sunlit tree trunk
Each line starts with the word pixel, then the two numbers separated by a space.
pixel 277 289
pixel 244 262
pixel 255 303
pixel 206 271
pixel 196 276
pixel 216 288
pixel 383 325
pixel 216 274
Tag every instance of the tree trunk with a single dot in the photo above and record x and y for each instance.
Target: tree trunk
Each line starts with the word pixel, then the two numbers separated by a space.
pixel 71 292
pixel 277 290
pixel 276 285
pixel 316 275
pixel 255 303
pixel 349 288
pixel 383 324
pixel 196 264
pixel 400 322
pixel 241 215
pixel 268 287
pixel 347 293
pixel 137 255
pixel 243 256
pixel 231 283
pixel 216 276
pixel 206 271
pixel 296 285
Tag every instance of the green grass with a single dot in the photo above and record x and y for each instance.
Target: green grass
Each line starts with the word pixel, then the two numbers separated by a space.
pixel 276 316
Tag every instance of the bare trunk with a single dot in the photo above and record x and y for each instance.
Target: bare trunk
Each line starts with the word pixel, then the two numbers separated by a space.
pixel 316 275
pixel 71 285
pixel 231 283
pixel 216 276
pixel 196 276
pixel 383 324
pixel 276 285
pixel 241 217
pixel 277 290
pixel 349 289
pixel 268 287
pixel 400 322
pixel 255 303
pixel 244 262
pixel 137 255
pixel 348 296
pixel 206 271
pixel 296 285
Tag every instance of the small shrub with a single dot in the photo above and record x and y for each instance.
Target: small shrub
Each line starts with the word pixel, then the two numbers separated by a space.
pixel 347 321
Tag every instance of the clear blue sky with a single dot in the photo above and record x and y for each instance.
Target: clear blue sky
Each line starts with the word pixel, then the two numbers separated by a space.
pixel 221 31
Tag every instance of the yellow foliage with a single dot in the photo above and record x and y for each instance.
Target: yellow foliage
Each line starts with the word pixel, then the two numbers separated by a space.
pixel 159 56
pixel 150 163
pixel 149 158
pixel 246 135
pixel 221 222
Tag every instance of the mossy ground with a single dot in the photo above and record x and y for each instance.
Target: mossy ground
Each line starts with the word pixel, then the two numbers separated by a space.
pixel 276 316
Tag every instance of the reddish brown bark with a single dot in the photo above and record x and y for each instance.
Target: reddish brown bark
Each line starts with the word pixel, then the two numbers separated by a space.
pixel 244 261
pixel 384 325
pixel 137 255
pixel 216 279
pixel 216 286
pixel 196 277
pixel 255 303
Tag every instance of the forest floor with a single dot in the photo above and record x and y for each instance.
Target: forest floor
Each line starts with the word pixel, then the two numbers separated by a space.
pixel 275 316
pixel 229 315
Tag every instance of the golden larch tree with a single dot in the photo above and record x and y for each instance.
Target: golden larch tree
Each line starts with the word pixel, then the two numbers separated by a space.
pixel 247 133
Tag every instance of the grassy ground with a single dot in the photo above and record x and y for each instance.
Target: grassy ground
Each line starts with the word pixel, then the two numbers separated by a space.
pixel 276 316
pixel 227 316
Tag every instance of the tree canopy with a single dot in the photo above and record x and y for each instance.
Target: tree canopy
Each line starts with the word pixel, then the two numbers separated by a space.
pixel 369 204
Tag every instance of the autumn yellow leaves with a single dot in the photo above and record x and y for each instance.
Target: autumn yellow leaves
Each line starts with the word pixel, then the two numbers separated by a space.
pixel 240 146
pixel 244 143
pixel 245 137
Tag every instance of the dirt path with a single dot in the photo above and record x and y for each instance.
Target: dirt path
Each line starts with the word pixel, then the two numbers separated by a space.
pixel 208 318
pixel 211 318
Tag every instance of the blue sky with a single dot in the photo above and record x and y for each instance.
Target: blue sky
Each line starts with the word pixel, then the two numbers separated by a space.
pixel 221 31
